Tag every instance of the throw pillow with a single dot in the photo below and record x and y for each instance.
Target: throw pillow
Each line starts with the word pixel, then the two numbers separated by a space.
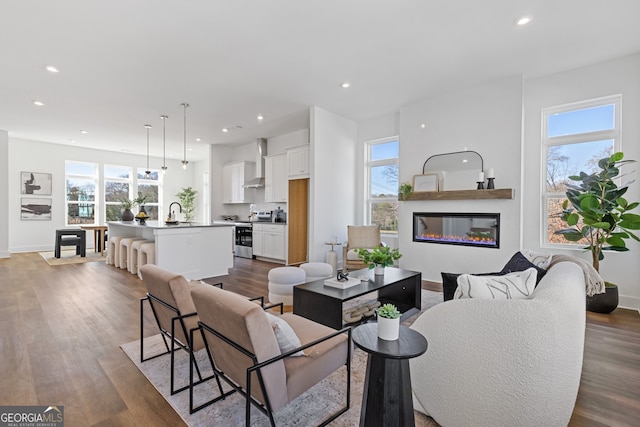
pixel 519 262
pixel 285 335
pixel 450 283
pixel 540 259
pixel 517 285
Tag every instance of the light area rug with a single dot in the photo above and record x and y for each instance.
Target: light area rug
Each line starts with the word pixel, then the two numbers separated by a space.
pixel 309 409
pixel 70 257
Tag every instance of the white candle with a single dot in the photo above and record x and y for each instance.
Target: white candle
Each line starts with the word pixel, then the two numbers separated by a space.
pixel 480 176
pixel 491 173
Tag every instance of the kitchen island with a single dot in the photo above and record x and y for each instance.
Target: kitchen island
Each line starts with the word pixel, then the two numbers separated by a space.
pixel 195 250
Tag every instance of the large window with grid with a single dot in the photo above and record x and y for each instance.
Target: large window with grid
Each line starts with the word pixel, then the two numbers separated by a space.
pixel 574 138
pixel 81 181
pixel 150 187
pixel 117 187
pixel 381 179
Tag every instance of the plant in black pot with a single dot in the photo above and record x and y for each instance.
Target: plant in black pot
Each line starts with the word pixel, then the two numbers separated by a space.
pixel 596 212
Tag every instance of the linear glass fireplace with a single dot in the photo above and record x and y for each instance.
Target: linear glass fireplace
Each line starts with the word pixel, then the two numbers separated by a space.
pixel 467 229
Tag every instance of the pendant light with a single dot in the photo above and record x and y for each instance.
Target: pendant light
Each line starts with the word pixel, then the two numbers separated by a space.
pixel 184 158
pixel 164 118
pixel 148 172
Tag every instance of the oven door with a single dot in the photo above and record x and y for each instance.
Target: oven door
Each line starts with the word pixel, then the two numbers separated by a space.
pixel 244 241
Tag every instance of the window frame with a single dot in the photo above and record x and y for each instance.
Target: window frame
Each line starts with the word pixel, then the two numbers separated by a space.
pixel 368 165
pixel 150 182
pixel 614 134
pixel 107 179
pixel 96 197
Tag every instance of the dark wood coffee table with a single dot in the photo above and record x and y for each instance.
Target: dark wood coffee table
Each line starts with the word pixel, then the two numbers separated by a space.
pixel 386 399
pixel 323 304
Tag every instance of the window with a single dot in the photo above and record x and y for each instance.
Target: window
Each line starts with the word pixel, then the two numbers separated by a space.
pixel 81 184
pixel 381 180
pixel 117 187
pixel 150 187
pixel 574 138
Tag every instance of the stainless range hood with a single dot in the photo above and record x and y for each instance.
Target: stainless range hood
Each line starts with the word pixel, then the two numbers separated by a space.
pixel 261 151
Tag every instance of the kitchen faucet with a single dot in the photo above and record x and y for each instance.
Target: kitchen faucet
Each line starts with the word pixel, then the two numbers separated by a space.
pixel 172 214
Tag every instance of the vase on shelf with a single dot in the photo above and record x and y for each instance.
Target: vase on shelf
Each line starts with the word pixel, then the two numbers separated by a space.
pixel 127 215
pixel 378 270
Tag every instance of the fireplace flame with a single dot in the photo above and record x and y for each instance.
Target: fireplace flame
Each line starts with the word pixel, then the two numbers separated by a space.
pixel 480 240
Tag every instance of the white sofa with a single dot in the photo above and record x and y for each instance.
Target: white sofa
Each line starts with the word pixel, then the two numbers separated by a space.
pixel 504 362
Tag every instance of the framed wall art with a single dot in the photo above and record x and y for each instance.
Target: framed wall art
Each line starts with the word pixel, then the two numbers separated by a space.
pixel 35 208
pixel 426 182
pixel 35 183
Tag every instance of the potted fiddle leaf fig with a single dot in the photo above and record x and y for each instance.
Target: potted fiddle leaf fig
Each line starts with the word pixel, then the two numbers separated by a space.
pixel 379 257
pixel 388 322
pixel 596 211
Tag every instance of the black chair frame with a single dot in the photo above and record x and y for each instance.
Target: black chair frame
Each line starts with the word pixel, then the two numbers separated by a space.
pixel 179 318
pixel 257 366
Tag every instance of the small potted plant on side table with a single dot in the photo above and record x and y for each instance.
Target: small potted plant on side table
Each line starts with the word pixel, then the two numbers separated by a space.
pixel 388 322
pixel 379 257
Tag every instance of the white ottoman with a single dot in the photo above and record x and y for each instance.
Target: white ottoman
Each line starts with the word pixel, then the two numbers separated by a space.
pixel 281 283
pixel 317 270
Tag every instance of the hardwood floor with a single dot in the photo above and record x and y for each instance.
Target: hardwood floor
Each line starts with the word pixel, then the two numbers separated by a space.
pixel 61 327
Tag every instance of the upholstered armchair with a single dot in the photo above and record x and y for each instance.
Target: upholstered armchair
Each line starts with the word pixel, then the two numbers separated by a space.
pixel 362 236
pixel 259 356
pixel 169 295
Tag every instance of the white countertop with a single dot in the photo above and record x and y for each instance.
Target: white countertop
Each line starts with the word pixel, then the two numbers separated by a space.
pixel 158 224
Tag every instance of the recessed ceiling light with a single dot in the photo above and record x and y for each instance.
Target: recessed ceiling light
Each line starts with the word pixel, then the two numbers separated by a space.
pixel 225 130
pixel 198 139
pixel 345 85
pixel 72 141
pixel 38 103
pixel 260 117
pixel 423 125
pixel 464 160
pixel 524 20
pixel 51 69
pixel 83 131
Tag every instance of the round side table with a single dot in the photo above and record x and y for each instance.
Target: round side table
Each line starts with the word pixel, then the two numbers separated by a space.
pixel 332 256
pixel 386 400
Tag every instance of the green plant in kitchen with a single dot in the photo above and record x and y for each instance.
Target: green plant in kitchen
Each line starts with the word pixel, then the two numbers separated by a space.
pixel 388 311
pixel 187 199
pixel 405 191
pixel 381 256
pixel 598 212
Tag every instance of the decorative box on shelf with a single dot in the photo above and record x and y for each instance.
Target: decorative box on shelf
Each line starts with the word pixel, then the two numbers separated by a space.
pixel 344 284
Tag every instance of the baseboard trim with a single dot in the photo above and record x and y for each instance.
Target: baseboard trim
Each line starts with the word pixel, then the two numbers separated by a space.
pixel 5 254
pixel 632 303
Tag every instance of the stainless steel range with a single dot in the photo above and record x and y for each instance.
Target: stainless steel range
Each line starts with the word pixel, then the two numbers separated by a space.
pixel 244 234
pixel 244 239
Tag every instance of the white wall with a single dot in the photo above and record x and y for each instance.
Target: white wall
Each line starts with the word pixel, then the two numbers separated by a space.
pixel 4 194
pixel 486 119
pixel 25 155
pixel 332 185
pixel 619 76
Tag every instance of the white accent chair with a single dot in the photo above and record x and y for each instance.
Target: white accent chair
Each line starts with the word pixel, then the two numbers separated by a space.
pixel 504 362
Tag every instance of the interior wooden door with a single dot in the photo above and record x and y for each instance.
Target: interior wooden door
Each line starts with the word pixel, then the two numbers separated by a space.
pixel 297 220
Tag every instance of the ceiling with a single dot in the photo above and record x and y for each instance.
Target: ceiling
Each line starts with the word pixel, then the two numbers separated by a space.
pixel 124 63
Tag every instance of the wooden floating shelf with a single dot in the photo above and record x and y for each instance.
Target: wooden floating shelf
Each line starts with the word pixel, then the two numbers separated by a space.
pixel 499 193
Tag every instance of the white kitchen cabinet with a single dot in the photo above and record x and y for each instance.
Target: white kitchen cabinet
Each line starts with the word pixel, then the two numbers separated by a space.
pixel 269 241
pixel 298 162
pixel 275 179
pixel 234 176
pixel 257 239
